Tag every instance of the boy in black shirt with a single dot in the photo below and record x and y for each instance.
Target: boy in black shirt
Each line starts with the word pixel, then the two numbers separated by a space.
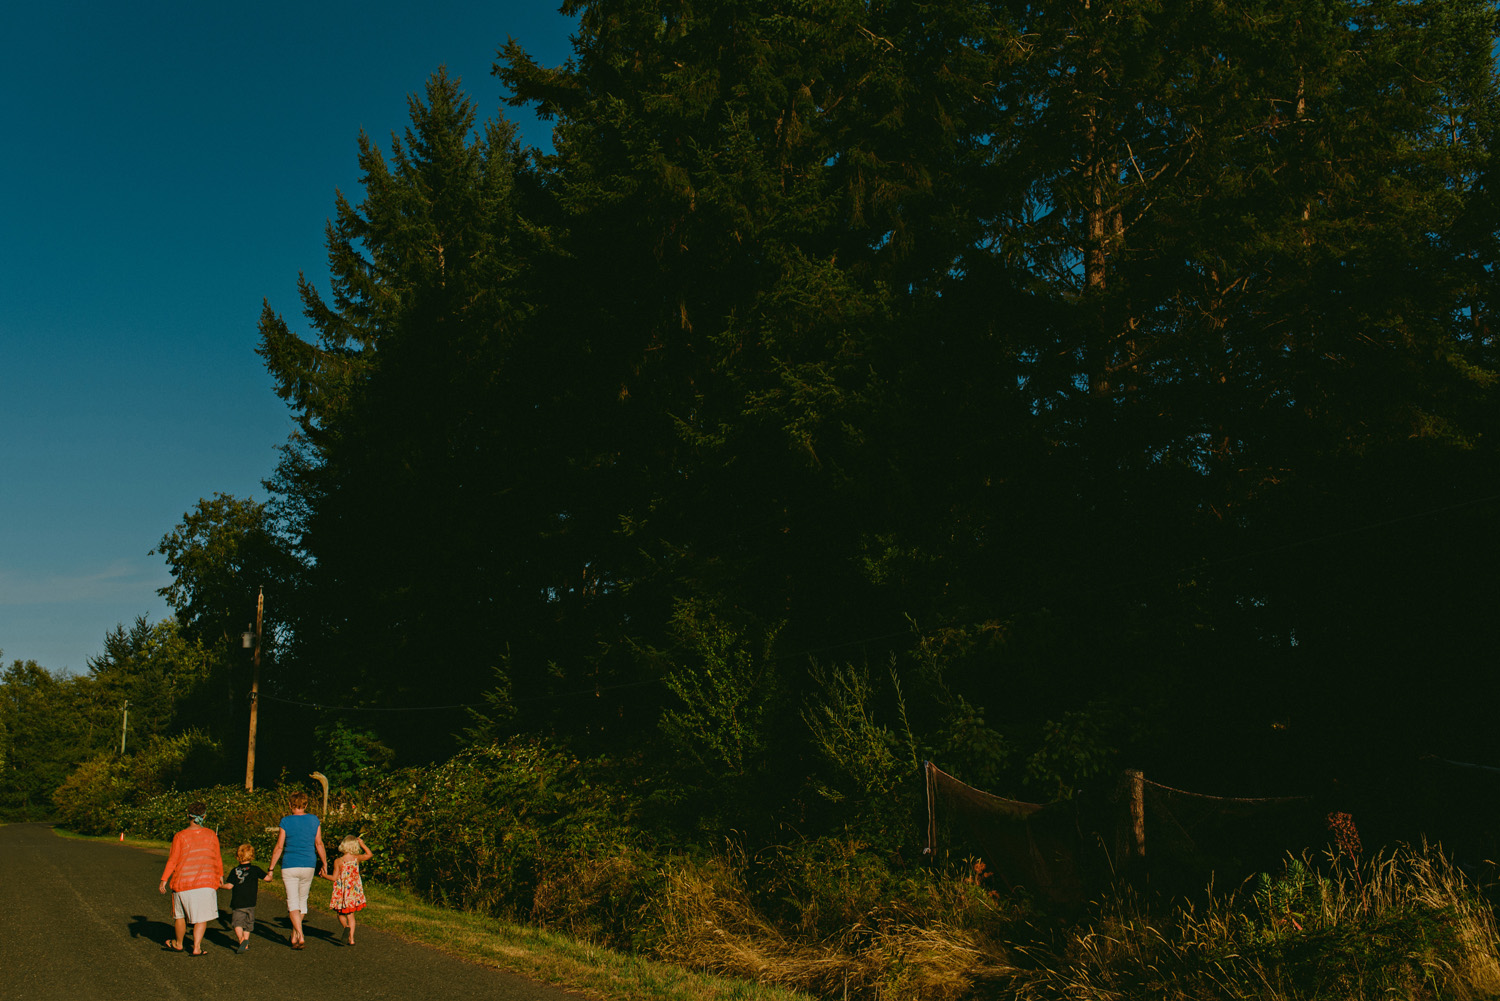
pixel 243 882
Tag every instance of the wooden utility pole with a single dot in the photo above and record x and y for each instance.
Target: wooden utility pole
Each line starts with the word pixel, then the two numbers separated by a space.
pixel 260 606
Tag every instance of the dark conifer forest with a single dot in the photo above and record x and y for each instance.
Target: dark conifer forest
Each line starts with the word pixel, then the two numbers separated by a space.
pixel 1042 389
pixel 1092 404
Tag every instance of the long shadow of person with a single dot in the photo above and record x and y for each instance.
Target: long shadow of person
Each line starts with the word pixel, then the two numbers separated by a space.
pixel 263 931
pixel 219 932
pixel 151 929
pixel 158 931
pixel 309 930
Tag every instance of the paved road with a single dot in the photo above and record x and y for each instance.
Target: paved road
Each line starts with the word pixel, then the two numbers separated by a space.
pixel 81 920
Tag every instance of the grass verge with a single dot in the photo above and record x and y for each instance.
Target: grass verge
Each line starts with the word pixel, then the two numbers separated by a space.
pixel 530 952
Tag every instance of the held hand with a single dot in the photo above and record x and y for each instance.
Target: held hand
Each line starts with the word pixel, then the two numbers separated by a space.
pixel 267 878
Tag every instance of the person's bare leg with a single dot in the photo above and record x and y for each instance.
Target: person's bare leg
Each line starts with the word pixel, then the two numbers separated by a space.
pixel 351 929
pixel 198 930
pixel 179 926
pixel 296 925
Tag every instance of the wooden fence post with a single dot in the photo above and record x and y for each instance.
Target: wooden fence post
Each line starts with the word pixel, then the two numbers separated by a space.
pixel 1137 780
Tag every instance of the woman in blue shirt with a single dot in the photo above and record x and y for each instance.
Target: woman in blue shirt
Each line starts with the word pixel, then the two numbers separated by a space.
pixel 301 839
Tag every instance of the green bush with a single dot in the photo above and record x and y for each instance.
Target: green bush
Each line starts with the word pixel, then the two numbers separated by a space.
pixel 351 756
pixel 93 798
pixel 237 816
pixel 517 830
pixel 97 798
pixel 870 782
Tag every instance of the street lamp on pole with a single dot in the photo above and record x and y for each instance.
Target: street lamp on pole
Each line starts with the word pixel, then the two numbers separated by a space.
pixel 246 640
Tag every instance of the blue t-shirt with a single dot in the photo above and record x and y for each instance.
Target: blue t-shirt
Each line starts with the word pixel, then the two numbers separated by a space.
pixel 301 831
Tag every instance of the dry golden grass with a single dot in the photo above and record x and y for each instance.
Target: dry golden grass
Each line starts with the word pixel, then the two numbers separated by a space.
pixel 1404 925
pixel 710 923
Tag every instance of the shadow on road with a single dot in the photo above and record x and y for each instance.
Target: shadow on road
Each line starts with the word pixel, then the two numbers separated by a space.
pixel 150 928
pixel 309 930
pixel 216 934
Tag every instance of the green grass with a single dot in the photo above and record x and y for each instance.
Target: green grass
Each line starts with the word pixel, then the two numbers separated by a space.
pixel 540 955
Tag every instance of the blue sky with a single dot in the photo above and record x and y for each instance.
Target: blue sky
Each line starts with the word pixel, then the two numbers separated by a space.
pixel 167 166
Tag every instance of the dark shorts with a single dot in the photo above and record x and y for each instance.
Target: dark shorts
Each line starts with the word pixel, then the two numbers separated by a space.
pixel 243 917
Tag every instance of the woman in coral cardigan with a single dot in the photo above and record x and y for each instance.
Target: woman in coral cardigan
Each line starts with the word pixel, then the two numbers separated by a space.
pixel 195 868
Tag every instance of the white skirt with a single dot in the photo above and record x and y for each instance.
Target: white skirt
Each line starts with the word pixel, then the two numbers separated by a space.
pixel 196 906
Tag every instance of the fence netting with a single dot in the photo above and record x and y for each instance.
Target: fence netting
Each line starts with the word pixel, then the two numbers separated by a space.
pixel 1063 851
pixel 1190 837
pixel 1039 847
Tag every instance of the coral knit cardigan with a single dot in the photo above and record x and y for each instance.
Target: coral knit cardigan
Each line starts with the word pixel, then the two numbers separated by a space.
pixel 196 860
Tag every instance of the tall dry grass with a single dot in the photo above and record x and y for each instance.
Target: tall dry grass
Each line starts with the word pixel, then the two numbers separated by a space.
pixel 1403 925
pixel 897 949
pixel 1406 924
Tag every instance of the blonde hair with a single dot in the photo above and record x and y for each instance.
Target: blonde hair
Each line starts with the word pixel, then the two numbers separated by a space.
pixel 298 800
pixel 245 853
pixel 350 845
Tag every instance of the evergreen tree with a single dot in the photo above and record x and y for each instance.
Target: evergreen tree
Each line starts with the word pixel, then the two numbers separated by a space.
pixel 417 483
pixel 158 673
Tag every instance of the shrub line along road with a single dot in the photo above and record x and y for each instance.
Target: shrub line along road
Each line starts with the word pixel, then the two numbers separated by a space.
pixel 81 920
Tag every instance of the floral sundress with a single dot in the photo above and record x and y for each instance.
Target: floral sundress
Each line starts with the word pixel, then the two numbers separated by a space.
pixel 348 889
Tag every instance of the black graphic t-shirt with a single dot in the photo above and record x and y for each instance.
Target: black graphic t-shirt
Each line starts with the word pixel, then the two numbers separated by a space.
pixel 244 880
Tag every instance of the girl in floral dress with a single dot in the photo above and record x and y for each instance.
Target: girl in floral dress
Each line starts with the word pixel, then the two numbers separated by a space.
pixel 348 889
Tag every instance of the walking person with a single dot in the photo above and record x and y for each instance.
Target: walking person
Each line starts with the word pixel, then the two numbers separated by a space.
pixel 301 841
pixel 195 870
pixel 348 888
pixel 244 884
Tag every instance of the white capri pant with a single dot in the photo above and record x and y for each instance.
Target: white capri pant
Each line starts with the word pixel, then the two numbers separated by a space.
pixel 298 881
pixel 196 906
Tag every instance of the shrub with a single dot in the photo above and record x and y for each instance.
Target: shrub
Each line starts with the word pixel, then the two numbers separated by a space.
pixel 236 815
pixel 518 830
pixel 350 755
pixel 97 798
pixel 873 785
pixel 94 796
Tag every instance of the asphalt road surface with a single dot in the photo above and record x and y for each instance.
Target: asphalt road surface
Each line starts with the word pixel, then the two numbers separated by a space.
pixel 81 920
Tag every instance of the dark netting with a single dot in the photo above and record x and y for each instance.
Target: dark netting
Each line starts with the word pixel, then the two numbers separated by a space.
pixel 1021 844
pixel 1186 838
pixel 1062 851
